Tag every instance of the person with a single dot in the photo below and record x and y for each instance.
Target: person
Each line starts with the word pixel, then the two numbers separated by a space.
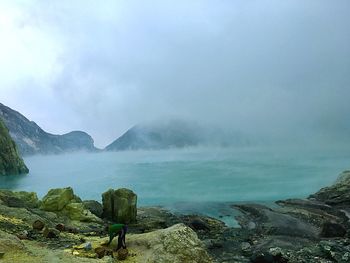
pixel 120 231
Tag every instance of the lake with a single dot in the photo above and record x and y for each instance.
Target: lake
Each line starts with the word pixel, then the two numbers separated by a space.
pixel 197 180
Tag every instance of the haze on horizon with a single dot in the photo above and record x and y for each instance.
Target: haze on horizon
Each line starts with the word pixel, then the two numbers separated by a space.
pixel 269 67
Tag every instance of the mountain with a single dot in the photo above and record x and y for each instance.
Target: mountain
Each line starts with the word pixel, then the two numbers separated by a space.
pixel 174 134
pixel 31 139
pixel 10 161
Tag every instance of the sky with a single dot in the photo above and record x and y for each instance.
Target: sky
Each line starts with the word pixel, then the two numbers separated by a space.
pixel 265 66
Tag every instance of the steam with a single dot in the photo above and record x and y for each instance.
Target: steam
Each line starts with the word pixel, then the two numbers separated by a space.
pixel 277 69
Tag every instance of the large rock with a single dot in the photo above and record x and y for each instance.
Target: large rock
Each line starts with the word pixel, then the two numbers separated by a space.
pixel 19 199
pixel 176 244
pixel 337 194
pixel 77 211
pixel 120 205
pixel 10 161
pixel 57 199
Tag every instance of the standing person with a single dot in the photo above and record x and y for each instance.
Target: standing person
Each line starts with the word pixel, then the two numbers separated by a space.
pixel 120 231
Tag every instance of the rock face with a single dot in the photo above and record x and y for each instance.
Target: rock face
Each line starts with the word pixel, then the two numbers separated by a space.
pixel 175 244
pixel 31 139
pixel 120 205
pixel 10 161
pixel 338 194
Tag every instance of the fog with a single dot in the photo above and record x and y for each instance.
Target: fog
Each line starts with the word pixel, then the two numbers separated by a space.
pixel 277 69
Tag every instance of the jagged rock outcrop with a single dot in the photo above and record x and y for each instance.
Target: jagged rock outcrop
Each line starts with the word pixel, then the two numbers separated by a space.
pixel 120 205
pixel 31 139
pixel 337 194
pixel 10 161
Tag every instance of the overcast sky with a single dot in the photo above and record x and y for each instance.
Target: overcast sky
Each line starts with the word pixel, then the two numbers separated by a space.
pixel 103 66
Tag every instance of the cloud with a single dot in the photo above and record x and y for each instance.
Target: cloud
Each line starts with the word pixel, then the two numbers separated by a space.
pixel 274 67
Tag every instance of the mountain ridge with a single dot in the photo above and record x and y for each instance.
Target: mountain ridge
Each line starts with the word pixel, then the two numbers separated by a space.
pixel 32 139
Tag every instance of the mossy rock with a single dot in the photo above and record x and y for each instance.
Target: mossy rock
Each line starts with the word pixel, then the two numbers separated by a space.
pixel 56 199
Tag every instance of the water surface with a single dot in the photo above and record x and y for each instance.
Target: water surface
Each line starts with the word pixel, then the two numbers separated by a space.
pixel 189 180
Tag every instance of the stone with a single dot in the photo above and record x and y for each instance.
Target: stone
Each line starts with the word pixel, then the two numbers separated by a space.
pixel 330 229
pixel 120 205
pixel 60 227
pixel 77 211
pixel 23 235
pixel 103 251
pixel 38 225
pixel 57 199
pixel 50 232
pixel 122 254
pixel 94 207
pixel 176 244
pixel 10 161
pixel 19 199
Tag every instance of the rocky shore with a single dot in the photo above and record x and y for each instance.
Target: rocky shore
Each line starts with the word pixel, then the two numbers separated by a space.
pixel 63 228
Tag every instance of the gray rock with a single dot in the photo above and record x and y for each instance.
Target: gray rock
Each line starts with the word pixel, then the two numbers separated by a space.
pixel 94 207
pixel 271 222
pixel 120 205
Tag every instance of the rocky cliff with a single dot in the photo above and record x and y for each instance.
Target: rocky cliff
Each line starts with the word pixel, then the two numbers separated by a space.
pixel 10 161
pixel 31 139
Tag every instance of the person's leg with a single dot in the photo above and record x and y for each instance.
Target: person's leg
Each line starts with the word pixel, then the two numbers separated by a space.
pixel 120 241
pixel 123 241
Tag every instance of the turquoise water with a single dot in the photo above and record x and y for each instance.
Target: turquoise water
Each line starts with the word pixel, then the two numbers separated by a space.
pixel 191 180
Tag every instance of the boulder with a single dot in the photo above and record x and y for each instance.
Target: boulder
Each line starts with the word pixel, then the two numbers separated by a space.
pixel 120 205
pixel 19 199
pixel 57 199
pixel 38 225
pixel 176 244
pixel 94 207
pixel 77 211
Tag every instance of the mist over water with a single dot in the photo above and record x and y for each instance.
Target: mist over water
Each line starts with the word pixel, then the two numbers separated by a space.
pixel 194 180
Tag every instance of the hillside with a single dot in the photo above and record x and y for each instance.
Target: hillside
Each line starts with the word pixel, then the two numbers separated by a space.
pixel 31 139
pixel 10 161
pixel 175 134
